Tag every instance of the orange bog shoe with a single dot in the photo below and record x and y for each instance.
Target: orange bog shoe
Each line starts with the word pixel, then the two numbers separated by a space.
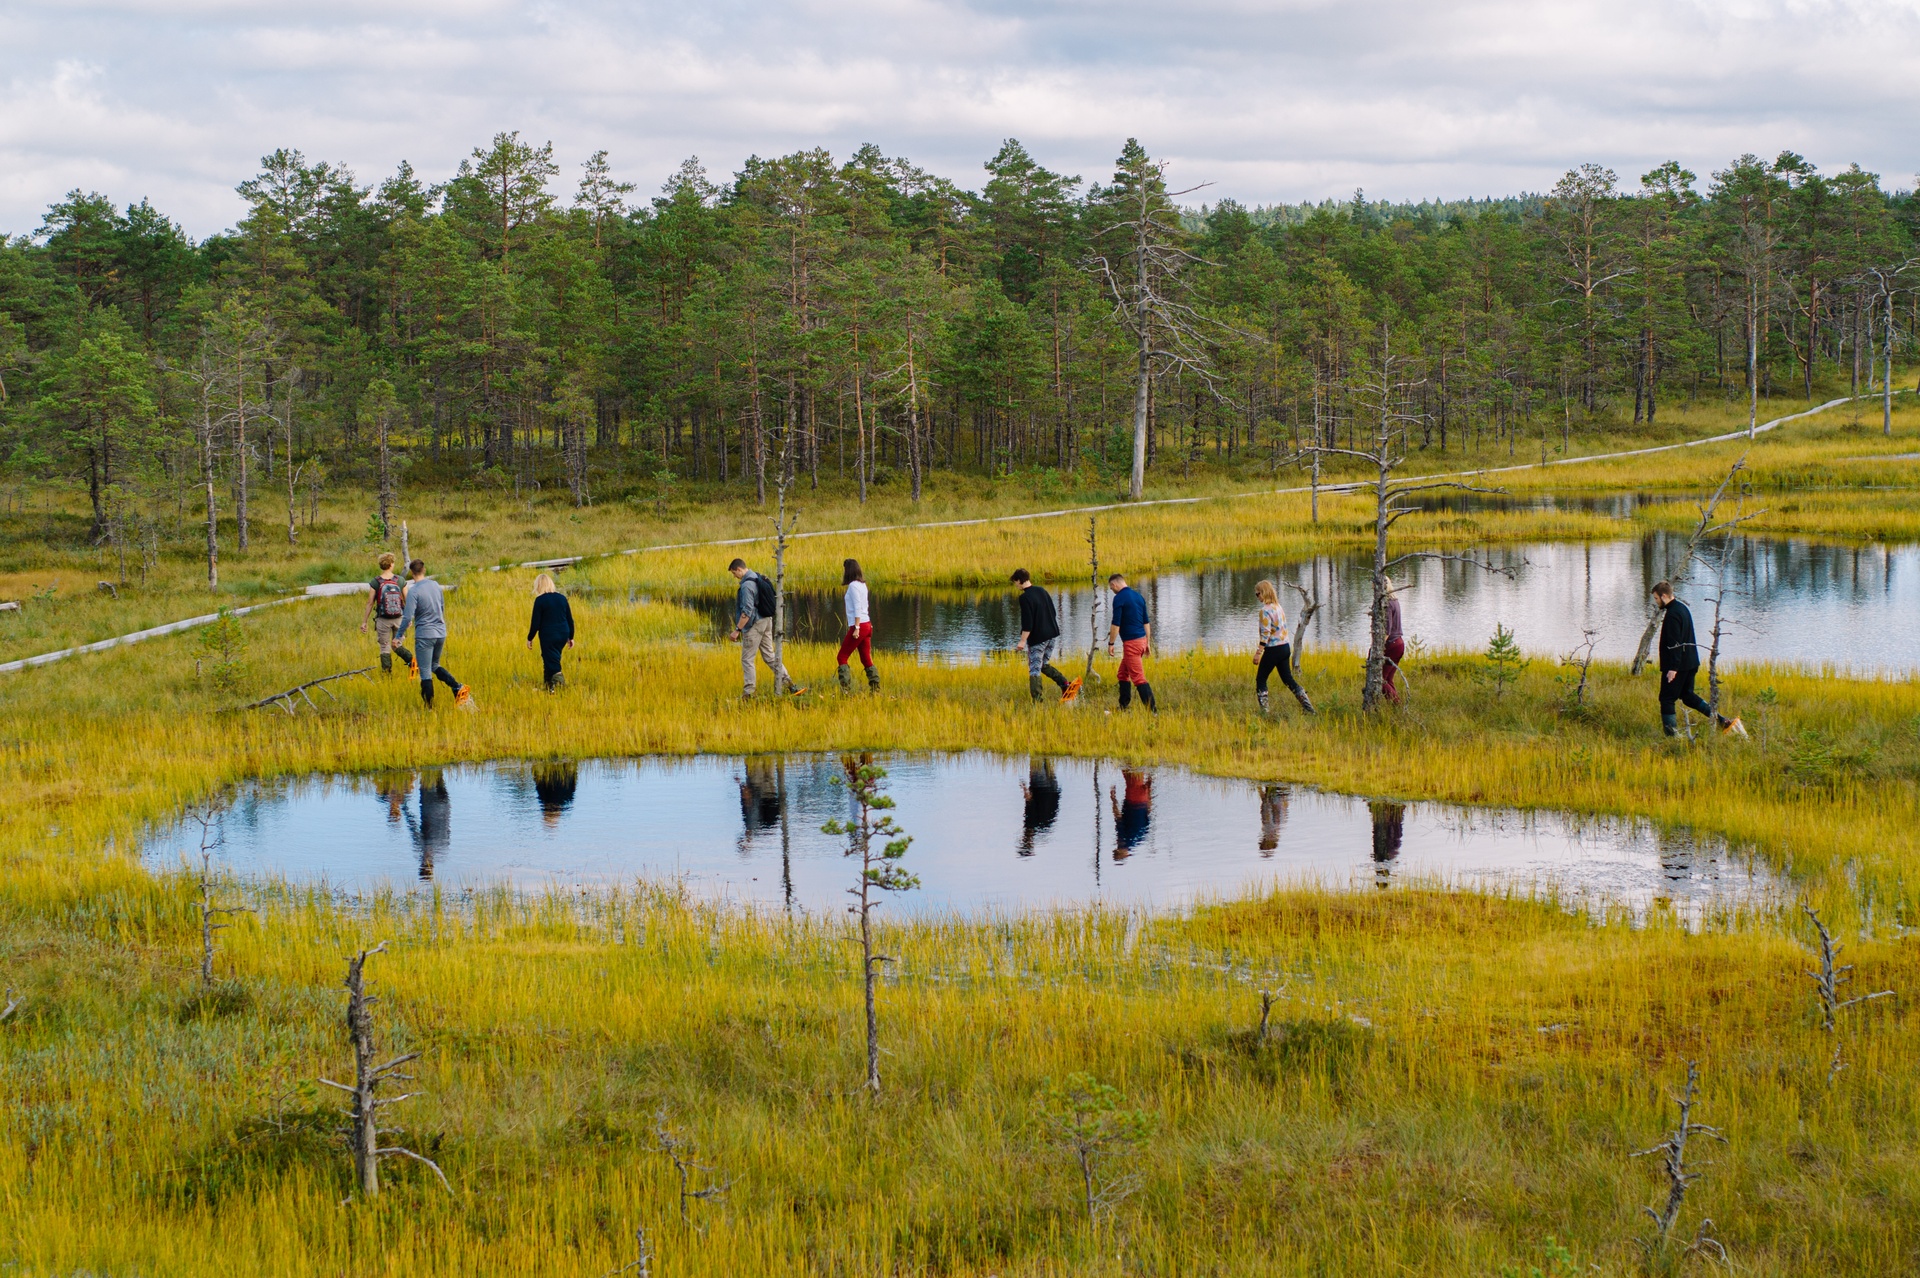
pixel 1071 694
pixel 463 697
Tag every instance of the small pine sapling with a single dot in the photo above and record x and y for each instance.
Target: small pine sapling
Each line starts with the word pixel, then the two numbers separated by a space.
pixel 364 1130
pixel 1502 664
pixel 223 646
pixel 1680 1176
pixel 1090 1120
pixel 880 871
pixel 1827 982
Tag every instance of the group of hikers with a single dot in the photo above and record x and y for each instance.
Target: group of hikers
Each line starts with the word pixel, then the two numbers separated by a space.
pixel 419 603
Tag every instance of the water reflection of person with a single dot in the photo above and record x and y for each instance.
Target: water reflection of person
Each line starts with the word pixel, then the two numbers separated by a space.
pixel 760 797
pixel 1389 828
pixel 1041 790
pixel 554 785
pixel 433 833
pixel 1273 815
pixel 1133 814
pixel 393 790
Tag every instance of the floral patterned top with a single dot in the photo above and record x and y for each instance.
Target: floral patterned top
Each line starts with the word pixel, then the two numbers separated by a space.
pixel 1273 626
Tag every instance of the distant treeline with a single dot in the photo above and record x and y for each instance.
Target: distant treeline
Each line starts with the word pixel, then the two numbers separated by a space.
pixel 863 318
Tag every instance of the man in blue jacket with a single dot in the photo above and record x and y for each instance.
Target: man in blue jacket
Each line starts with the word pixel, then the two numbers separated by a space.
pixel 1134 632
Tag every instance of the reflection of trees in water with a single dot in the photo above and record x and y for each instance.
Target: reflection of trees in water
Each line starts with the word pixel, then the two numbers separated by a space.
pixel 1274 800
pixel 1389 831
pixel 1133 814
pixel 554 785
pixel 1042 794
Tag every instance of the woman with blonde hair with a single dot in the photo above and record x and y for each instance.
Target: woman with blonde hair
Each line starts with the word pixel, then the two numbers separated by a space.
pixel 1276 648
pixel 553 623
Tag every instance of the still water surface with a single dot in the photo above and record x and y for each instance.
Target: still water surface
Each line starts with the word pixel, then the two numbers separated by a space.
pixel 991 833
pixel 1855 607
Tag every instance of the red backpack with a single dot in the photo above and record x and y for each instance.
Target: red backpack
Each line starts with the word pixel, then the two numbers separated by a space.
pixel 392 596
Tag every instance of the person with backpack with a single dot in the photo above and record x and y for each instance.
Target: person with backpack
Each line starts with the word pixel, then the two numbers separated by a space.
pixel 858 636
pixel 1679 663
pixel 1130 626
pixel 386 600
pixel 426 615
pixel 553 622
pixel 1040 637
pixel 754 607
pixel 1276 648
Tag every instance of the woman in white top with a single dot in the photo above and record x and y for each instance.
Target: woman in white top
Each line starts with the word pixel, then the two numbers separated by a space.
pixel 859 633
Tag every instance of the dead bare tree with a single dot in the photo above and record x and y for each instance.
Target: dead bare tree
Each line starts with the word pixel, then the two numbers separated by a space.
pixel 1145 273
pixel 880 871
pixel 368 1078
pixel 1680 1176
pixel 1093 582
pixel 206 815
pixel 284 700
pixel 1387 392
pixel 1581 659
pixel 1827 982
pixel 642 1265
pixel 1309 604
pixel 680 1152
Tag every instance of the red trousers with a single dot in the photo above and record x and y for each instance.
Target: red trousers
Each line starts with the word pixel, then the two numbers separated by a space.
pixel 858 639
pixel 1396 649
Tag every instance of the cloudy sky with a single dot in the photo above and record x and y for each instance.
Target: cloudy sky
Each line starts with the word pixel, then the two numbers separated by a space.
pixel 1267 99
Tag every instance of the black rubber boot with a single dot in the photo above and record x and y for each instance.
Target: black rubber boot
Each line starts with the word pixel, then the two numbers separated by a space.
pixel 873 679
pixel 1670 724
pixel 1126 695
pixel 1262 694
pixel 426 693
pixel 1146 697
pixel 846 679
pixel 1058 678
pixel 1033 686
pixel 1306 703
pixel 386 662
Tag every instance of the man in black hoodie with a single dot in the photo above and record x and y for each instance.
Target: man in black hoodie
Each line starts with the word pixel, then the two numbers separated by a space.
pixel 1040 637
pixel 1679 662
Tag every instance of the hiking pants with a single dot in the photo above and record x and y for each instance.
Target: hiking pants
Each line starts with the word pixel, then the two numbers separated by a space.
pixel 1681 690
pixel 758 639
pixel 857 639
pixel 1276 657
pixel 428 652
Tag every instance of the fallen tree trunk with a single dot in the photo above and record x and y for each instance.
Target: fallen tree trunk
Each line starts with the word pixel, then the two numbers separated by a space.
pixel 284 700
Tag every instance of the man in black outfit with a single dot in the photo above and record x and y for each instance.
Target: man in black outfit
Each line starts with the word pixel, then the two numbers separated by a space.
pixel 1679 662
pixel 1040 637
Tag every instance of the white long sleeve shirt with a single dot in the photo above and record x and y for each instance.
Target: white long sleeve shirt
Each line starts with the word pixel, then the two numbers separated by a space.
pixel 857 604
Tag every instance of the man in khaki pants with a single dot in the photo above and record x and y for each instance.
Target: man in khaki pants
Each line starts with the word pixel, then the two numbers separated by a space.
pixel 753 627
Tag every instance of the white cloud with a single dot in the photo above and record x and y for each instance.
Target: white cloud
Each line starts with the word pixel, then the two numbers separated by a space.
pixel 1270 99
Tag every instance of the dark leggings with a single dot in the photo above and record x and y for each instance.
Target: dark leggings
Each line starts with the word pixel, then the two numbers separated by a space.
pixel 1276 657
pixel 550 659
pixel 1681 690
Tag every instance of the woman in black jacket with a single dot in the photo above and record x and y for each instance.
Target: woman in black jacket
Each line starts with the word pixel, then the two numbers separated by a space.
pixel 553 623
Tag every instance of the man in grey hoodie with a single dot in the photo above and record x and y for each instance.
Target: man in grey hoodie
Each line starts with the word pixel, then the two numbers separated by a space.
pixel 426 615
